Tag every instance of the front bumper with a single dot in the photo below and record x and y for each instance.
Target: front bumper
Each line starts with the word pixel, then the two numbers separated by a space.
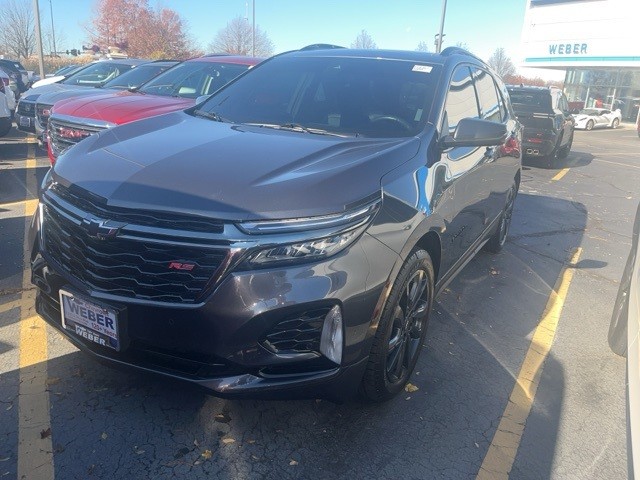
pixel 219 344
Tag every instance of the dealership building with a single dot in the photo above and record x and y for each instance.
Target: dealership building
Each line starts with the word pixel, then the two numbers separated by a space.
pixel 597 43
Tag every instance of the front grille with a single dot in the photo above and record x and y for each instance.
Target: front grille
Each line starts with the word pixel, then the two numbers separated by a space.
pixel 26 109
pixel 63 135
pixel 42 117
pixel 127 267
pixel 297 333
pixel 97 206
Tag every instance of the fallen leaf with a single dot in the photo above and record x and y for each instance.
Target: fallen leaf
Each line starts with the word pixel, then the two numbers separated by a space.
pixel 493 271
pixel 197 462
pixel 45 433
pixel 227 441
pixel 52 380
pixel 476 444
pixel 196 443
pixel 293 463
pixel 222 418
pixel 206 454
pixel 410 388
pixel 104 436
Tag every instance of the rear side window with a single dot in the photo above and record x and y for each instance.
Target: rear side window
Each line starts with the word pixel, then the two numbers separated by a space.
pixel 461 99
pixel 487 96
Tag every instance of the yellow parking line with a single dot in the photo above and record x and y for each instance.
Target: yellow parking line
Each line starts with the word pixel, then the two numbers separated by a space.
pixel 560 174
pixel 502 452
pixel 35 453
pixel 29 204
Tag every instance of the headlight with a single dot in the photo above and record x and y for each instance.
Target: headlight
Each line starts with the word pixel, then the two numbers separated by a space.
pixel 332 233
pixel 304 251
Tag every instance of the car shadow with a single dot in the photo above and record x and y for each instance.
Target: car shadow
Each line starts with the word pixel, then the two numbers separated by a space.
pixel 575 159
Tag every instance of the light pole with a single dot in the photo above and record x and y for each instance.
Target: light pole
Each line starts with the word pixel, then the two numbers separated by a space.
pixel 440 35
pixel 36 14
pixel 253 31
pixel 53 31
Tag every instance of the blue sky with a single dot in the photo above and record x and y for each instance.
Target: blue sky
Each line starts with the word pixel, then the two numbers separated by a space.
pixel 398 24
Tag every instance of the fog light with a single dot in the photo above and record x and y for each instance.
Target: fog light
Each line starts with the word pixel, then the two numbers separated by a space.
pixel 331 339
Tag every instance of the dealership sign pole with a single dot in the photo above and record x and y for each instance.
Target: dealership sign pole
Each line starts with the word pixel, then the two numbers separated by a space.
pixel 36 14
pixel 444 12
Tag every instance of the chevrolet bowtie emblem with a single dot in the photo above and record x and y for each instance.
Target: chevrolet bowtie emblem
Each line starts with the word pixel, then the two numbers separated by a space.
pixel 101 229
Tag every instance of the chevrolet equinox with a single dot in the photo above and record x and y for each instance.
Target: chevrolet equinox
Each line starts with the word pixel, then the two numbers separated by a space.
pixel 286 236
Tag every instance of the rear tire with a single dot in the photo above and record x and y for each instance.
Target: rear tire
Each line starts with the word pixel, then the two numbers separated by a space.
pixel 401 332
pixel 563 152
pixel 499 237
pixel 615 123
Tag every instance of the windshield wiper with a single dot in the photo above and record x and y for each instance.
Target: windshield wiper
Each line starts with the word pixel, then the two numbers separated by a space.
pixel 296 127
pixel 210 116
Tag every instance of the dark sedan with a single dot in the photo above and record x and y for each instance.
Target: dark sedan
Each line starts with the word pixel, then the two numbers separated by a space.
pixel 287 236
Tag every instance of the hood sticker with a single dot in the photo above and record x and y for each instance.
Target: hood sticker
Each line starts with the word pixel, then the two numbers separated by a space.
pixel 422 68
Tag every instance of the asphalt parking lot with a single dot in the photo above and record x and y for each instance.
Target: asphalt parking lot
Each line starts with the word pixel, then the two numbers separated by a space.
pixel 482 404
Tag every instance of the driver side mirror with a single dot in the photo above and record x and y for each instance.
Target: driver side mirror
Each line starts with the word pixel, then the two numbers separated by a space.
pixel 474 132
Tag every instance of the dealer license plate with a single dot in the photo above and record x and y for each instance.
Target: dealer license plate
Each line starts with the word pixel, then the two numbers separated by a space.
pixel 92 322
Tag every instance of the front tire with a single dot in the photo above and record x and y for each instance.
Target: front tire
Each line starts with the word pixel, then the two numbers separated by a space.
pixel 499 237
pixel 589 125
pixel 401 331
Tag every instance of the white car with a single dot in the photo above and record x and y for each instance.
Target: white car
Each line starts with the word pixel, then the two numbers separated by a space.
pixel 11 98
pixel 624 339
pixel 590 118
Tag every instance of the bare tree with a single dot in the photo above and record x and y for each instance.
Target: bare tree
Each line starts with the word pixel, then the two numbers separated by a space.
pixel 236 38
pixel 364 40
pixel 501 63
pixel 422 47
pixel 17 34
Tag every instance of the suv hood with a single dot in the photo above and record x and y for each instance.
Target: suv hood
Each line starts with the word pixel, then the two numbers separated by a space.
pixel 180 163
pixel 51 88
pixel 121 107
pixel 52 98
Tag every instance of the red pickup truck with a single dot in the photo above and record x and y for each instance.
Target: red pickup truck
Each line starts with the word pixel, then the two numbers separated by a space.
pixel 177 88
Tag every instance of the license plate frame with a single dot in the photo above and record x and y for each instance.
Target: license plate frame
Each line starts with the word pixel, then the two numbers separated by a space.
pixel 91 321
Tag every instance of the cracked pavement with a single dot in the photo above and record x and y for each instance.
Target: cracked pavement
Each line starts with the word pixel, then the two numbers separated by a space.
pixel 108 424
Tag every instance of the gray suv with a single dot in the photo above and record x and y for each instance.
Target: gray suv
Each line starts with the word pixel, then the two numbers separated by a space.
pixel 287 236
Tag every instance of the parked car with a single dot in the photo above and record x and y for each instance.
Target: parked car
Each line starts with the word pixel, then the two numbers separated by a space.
pixel 287 236
pixel 17 72
pixel 6 86
pixel 175 89
pixel 590 118
pixel 96 74
pixel 548 124
pixel 129 80
pixel 5 112
pixel 60 75
pixel 624 339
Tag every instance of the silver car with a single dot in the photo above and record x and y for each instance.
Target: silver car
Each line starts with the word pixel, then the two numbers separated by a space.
pixel 624 333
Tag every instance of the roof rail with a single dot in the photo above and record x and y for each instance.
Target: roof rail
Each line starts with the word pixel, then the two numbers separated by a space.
pixel 320 46
pixel 458 51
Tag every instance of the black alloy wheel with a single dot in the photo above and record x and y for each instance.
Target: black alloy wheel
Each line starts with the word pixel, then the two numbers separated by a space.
pixel 401 331
pixel 499 238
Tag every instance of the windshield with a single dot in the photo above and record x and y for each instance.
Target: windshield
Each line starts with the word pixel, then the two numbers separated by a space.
pixel 363 96
pixel 590 111
pixel 193 79
pixel 97 74
pixel 137 76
